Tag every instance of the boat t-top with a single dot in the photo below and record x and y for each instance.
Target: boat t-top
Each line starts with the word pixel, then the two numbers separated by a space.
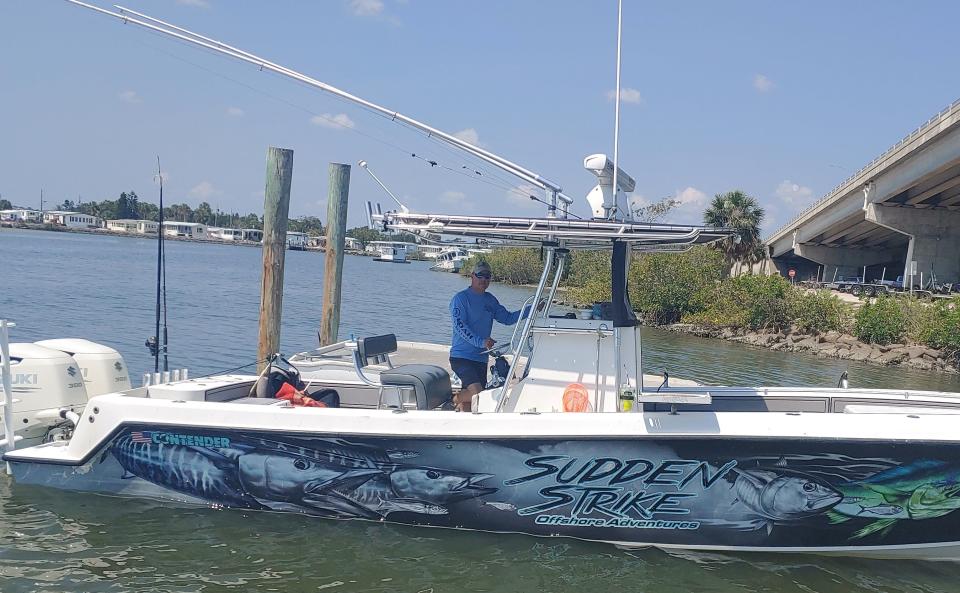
pixel 574 443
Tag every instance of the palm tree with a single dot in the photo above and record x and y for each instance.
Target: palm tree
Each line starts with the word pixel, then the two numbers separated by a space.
pixel 736 210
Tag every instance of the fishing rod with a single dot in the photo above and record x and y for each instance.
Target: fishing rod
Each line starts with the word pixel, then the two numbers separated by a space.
pixel 554 192
pixel 154 343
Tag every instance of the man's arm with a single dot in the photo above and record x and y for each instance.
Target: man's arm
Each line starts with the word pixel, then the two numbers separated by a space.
pixel 458 314
pixel 505 317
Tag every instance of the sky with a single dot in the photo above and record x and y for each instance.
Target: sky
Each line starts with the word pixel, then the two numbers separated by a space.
pixel 781 100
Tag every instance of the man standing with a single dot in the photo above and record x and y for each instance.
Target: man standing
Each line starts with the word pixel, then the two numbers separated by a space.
pixel 473 310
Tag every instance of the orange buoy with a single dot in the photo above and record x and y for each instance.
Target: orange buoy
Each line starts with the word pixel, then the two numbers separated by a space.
pixel 576 399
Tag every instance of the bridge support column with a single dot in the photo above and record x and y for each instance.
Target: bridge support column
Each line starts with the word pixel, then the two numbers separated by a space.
pixel 845 261
pixel 934 238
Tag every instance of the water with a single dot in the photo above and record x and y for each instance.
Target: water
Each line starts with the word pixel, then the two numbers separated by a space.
pixel 102 288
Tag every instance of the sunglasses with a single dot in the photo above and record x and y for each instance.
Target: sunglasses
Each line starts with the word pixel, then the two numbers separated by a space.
pixel 484 275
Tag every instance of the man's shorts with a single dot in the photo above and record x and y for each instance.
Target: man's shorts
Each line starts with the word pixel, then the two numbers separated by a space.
pixel 469 371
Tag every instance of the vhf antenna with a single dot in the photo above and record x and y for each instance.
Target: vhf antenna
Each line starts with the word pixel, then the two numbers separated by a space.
pixel 363 165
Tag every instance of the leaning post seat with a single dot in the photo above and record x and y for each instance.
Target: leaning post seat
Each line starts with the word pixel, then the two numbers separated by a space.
pixel 430 383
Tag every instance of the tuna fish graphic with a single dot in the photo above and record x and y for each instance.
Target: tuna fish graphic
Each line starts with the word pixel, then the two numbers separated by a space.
pixel 924 489
pixel 778 497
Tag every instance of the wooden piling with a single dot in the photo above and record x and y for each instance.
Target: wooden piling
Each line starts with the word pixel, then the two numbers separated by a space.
pixel 333 270
pixel 276 207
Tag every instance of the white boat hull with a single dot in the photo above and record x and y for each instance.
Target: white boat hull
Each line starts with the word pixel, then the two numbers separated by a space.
pixel 694 480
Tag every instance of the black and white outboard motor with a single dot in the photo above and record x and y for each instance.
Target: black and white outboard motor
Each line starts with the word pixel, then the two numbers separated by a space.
pixel 54 375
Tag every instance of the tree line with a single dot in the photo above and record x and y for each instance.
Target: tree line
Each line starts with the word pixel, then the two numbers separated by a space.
pixel 129 206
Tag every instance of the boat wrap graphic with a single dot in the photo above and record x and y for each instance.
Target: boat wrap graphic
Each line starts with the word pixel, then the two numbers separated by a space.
pixel 670 491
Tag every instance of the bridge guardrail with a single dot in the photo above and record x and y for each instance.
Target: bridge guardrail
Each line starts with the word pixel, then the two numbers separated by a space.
pixel 936 119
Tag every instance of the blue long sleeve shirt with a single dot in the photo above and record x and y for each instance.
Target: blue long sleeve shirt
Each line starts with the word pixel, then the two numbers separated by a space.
pixel 472 314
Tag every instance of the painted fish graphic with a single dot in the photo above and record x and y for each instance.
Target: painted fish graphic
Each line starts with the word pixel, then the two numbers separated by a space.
pixel 417 490
pixel 924 489
pixel 882 510
pixel 335 451
pixel 396 487
pixel 779 497
pixel 500 506
pixel 195 471
pixel 335 479
pixel 292 482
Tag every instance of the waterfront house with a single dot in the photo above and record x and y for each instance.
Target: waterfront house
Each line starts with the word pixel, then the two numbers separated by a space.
pixel 126 225
pixel 72 220
pixel 255 235
pixel 190 230
pixel 21 215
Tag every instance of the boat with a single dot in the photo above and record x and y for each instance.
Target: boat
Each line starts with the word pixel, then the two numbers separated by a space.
pixel 450 260
pixel 297 241
pixel 574 442
pixel 393 252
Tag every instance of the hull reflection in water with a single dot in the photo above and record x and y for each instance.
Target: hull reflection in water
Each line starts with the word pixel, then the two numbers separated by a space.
pixel 748 494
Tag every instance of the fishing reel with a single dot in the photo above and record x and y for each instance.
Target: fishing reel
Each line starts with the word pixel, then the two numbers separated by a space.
pixel 152 345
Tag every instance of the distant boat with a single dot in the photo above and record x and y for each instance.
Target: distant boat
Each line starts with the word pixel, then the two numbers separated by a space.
pixel 296 241
pixel 450 260
pixel 393 252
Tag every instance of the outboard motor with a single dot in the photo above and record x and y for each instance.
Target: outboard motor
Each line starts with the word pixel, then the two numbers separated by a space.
pixel 44 381
pixel 102 367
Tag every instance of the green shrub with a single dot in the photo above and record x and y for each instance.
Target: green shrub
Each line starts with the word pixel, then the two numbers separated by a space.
pixel 943 332
pixel 512 265
pixel 920 317
pixel 752 302
pixel 880 322
pixel 819 311
pixel 666 286
pixel 588 278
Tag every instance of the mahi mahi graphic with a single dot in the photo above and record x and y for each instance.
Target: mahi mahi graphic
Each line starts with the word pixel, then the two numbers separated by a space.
pixel 921 490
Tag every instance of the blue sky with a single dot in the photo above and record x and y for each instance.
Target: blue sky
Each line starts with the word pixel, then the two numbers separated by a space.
pixel 781 100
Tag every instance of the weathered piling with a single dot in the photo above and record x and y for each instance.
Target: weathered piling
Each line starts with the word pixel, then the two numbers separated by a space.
pixel 276 206
pixel 333 270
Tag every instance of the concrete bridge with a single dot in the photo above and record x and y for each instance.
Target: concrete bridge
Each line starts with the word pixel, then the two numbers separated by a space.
pixel 903 207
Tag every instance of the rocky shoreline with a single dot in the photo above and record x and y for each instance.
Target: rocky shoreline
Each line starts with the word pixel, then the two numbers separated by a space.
pixel 831 344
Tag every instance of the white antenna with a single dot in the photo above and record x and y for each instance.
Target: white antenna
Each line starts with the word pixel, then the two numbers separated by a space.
pixel 616 117
pixel 363 165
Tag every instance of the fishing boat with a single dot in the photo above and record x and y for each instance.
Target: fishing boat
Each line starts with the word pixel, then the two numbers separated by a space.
pixel 450 260
pixel 573 443
pixel 391 252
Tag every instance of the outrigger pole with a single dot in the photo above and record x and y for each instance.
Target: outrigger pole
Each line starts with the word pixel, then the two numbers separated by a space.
pixel 553 191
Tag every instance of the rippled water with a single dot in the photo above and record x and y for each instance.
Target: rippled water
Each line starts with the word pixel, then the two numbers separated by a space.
pixel 101 288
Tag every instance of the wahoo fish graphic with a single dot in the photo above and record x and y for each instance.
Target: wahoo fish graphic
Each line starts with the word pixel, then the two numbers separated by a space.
pixel 331 478
pixel 394 487
pixel 235 476
pixel 190 470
